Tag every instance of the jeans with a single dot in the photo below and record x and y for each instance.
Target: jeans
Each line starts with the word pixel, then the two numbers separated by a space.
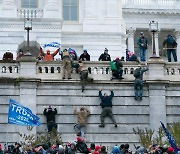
pixel 173 51
pixel 142 54
pixel 80 129
pixel 138 88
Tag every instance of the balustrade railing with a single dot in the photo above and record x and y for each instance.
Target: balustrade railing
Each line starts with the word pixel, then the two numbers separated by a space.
pixel 30 13
pixel 163 3
pixel 98 70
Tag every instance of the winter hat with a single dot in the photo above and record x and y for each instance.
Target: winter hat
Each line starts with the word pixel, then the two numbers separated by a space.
pixel 79 139
pixel 115 149
pixel 73 143
pixel 170 149
pixel 97 147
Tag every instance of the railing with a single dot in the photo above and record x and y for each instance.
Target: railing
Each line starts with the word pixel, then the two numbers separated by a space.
pixel 160 3
pixel 30 13
pixel 98 70
pixel 150 2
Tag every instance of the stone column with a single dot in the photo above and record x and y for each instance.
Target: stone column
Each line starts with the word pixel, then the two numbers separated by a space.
pixel 28 86
pixel 52 9
pixel 9 8
pixel 177 33
pixel 130 32
pixel 157 43
pixel 157 93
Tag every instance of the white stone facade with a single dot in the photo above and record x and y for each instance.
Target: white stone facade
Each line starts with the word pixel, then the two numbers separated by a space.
pixel 100 24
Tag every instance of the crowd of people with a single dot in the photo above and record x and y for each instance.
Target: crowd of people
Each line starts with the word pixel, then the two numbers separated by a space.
pixel 80 146
pixel 169 44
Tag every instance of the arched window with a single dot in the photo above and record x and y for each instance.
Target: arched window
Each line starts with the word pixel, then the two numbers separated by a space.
pixel 29 3
pixel 70 10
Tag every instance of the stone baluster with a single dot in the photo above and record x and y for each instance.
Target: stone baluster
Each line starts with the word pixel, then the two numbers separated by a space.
pixel 130 32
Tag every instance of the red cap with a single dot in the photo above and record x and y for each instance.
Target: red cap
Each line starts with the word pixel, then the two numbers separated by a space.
pixel 170 149
pixel 79 139
pixel 97 147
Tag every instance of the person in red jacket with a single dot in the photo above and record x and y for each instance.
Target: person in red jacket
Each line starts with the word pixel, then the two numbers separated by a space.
pixel 48 56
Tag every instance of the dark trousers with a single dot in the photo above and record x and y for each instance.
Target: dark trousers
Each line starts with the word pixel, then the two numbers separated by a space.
pixel 107 111
pixel 138 88
pixel 173 51
pixel 84 78
pixel 51 125
pixel 118 73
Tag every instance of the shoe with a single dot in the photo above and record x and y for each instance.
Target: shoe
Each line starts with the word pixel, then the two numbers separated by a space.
pixel 121 78
pixel 101 125
pixel 63 78
pixel 140 98
pixel 136 98
pixel 69 78
pixel 115 125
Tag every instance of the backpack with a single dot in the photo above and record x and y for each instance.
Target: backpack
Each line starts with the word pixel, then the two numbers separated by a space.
pixel 113 65
pixel 137 72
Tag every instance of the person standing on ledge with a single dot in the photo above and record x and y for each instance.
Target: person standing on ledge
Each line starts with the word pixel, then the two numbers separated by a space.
pixel 143 45
pixel 48 56
pixel 106 104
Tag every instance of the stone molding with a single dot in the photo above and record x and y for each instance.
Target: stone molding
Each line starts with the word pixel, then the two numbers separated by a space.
pixel 151 11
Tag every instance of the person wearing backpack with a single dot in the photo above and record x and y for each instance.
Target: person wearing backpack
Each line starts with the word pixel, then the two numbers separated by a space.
pixel 170 44
pixel 138 82
pixel 116 67
pixel 143 45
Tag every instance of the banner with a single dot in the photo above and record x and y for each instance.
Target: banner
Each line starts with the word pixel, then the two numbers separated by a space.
pixel 170 138
pixel 52 44
pixel 21 115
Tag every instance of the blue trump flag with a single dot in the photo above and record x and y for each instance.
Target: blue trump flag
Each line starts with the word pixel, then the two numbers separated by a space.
pixel 21 115
pixel 170 138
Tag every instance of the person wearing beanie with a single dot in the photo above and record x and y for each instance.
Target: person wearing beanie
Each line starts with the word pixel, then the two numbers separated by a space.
pixel 115 150
pixel 106 104
pixel 103 150
pixel 82 116
pixel 143 45
pixel 81 146
pixel 72 149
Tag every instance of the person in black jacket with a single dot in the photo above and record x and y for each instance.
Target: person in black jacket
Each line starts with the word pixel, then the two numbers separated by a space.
pixel 50 115
pixel 105 56
pixel 84 56
pixel 106 104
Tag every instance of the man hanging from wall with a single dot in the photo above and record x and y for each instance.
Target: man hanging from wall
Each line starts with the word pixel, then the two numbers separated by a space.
pixel 106 104
pixel 138 82
pixel 83 71
pixel 82 116
pixel 50 114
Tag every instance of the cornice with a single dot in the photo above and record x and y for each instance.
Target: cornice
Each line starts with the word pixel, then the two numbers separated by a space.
pixel 146 11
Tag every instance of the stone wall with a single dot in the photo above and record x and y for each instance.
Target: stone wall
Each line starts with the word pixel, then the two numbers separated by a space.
pixel 37 90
